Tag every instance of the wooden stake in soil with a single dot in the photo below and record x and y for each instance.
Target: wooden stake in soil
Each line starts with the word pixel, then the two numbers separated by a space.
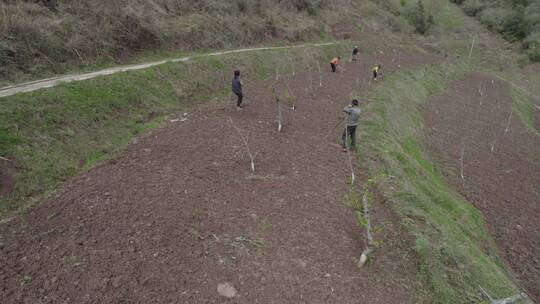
pixel 245 140
pixel 293 67
pixel 461 159
pixel 481 93
pixel 364 256
pixel 320 73
pixel 278 106
pixel 291 96
pixel 347 146
pixel 508 122
pixel 472 47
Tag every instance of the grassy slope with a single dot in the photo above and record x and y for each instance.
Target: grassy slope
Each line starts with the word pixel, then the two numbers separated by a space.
pixel 36 42
pixel 456 252
pixel 59 132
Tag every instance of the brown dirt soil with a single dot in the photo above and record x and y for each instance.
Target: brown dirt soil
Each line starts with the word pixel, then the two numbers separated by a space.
pixel 6 178
pixel 179 212
pixel 504 183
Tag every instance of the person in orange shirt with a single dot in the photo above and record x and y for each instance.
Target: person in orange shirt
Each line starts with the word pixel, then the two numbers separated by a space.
pixel 334 63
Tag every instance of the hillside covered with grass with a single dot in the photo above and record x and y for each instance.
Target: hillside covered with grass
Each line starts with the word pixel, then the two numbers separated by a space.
pixel 515 20
pixel 39 38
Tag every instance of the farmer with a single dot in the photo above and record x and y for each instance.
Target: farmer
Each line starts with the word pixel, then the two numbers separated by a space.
pixel 355 52
pixel 334 63
pixel 353 113
pixel 376 71
pixel 237 89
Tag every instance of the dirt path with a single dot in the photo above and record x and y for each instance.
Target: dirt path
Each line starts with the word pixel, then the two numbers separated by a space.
pixel 52 82
pixel 501 166
pixel 179 213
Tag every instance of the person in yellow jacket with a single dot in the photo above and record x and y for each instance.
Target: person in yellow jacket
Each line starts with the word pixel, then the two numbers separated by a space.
pixel 376 71
pixel 334 63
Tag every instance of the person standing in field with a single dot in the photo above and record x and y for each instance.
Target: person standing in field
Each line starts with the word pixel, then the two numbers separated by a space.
pixel 355 52
pixel 353 114
pixel 334 63
pixel 376 71
pixel 237 89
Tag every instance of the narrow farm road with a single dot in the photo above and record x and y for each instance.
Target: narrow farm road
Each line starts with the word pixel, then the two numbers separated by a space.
pixel 179 217
pixel 52 82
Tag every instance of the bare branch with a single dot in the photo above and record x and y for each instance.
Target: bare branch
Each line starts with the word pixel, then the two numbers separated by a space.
pixel 279 108
pixel 320 73
pixel 5 159
pixel 245 140
pixel 293 66
pixel 472 47
pixel 461 159
pixel 364 256
pixel 508 122
pixel 292 96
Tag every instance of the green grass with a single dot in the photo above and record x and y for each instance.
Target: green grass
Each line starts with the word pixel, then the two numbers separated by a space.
pixel 56 133
pixel 455 251
pixel 524 107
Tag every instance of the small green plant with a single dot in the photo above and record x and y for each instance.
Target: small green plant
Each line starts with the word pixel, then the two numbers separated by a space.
pixel 27 279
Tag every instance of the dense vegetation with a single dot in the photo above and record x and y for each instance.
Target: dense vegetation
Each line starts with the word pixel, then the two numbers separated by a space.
pixel 38 36
pixel 516 20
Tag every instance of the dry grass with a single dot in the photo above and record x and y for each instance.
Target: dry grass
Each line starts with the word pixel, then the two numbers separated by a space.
pixel 36 40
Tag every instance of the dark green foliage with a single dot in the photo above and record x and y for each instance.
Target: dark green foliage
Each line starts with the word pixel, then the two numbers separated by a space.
pixel 419 19
pixel 7 141
pixel 515 20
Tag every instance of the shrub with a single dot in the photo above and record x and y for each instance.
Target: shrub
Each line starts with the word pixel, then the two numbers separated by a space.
pixel 534 53
pixel 532 46
pixel 516 20
pixel 473 7
pixel 418 18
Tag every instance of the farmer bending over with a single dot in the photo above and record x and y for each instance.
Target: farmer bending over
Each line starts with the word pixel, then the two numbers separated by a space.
pixel 376 71
pixel 334 63
pixel 237 88
pixel 353 113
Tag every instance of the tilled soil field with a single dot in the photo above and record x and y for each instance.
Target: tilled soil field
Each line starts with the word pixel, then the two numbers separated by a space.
pixel 473 121
pixel 179 214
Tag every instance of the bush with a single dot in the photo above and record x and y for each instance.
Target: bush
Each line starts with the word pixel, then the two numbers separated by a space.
pixel 516 20
pixel 473 7
pixel 419 19
pixel 494 18
pixel 534 53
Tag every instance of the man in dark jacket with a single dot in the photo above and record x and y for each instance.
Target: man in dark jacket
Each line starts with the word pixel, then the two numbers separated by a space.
pixel 355 52
pixel 237 88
